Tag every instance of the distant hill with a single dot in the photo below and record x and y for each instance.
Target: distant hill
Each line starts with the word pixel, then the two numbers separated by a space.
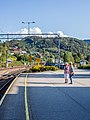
pixel 87 40
pixel 39 44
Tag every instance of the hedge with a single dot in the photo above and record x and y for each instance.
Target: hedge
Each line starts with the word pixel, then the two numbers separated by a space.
pixel 84 66
pixel 43 68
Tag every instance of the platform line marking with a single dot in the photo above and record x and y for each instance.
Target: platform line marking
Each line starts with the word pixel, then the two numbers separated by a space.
pixel 26 102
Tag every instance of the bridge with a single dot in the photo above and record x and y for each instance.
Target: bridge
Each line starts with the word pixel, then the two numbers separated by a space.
pixel 20 36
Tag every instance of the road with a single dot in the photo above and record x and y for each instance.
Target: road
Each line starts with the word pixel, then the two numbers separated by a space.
pixel 45 96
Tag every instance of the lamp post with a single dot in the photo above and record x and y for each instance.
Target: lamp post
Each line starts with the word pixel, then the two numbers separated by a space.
pixel 7 52
pixel 0 48
pixel 28 23
pixel 59 51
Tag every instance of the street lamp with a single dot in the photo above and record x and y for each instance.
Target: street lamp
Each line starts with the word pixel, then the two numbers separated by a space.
pixel 7 52
pixel 28 23
pixel 0 48
pixel 59 51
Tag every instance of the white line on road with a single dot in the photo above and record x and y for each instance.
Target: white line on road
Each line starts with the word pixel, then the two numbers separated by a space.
pixel 26 102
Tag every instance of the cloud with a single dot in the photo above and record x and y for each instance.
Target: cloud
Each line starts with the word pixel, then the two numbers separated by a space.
pixel 37 30
pixel 23 31
pixel 50 33
pixel 60 33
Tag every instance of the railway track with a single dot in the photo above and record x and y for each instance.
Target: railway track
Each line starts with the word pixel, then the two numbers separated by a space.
pixel 7 79
pixel 5 84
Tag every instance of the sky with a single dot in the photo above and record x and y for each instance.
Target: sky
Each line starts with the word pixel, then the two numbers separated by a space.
pixel 68 17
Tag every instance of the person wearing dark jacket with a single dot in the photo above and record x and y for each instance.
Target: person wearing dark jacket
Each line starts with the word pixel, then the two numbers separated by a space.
pixel 71 72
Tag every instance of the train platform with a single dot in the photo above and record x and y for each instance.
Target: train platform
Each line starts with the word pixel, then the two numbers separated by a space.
pixel 45 96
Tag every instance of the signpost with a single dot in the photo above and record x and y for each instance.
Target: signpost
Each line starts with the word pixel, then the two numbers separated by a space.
pixel 30 58
pixel 38 60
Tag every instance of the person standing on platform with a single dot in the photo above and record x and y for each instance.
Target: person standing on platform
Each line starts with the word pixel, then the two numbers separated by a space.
pixel 71 72
pixel 66 72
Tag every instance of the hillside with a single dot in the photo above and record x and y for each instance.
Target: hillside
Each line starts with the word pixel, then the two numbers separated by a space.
pixel 71 49
pixel 87 40
pixel 37 44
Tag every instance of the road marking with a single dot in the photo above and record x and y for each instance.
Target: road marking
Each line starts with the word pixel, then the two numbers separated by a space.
pixel 1 101
pixel 26 102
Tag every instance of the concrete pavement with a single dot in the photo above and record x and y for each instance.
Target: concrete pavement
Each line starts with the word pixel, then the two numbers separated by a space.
pixel 48 97
pixel 51 99
pixel 12 108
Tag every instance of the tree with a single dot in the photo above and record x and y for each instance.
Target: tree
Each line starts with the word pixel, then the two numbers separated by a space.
pixel 68 57
pixel 88 58
pixel 81 56
pixel 19 57
pixel 76 58
pixel 49 60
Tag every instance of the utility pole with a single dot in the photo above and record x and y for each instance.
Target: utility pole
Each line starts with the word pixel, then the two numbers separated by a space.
pixel 28 23
pixel 0 49
pixel 6 58
pixel 58 51
pixel 7 53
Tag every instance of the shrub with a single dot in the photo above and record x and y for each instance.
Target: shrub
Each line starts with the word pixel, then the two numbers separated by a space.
pixel 17 63
pixel 43 68
pixel 84 66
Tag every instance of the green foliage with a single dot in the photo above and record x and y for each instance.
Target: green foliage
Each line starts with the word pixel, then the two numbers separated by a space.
pixel 43 68
pixel 68 44
pixel 71 49
pixel 11 57
pixel 84 66
pixel 16 63
pixel 2 58
pixel 49 60
pixel 68 57
pixel 81 56
pixel 76 58
pixel 88 58
pixel 3 64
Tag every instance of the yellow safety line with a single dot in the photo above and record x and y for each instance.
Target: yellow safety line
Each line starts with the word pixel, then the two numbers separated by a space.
pixel 25 93
pixel 26 102
pixel 1 101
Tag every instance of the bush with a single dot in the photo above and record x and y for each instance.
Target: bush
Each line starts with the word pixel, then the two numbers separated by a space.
pixel 43 68
pixel 84 66
pixel 17 63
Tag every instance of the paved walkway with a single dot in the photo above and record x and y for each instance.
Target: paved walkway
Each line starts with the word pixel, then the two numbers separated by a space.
pixel 12 108
pixel 51 99
pixel 48 97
